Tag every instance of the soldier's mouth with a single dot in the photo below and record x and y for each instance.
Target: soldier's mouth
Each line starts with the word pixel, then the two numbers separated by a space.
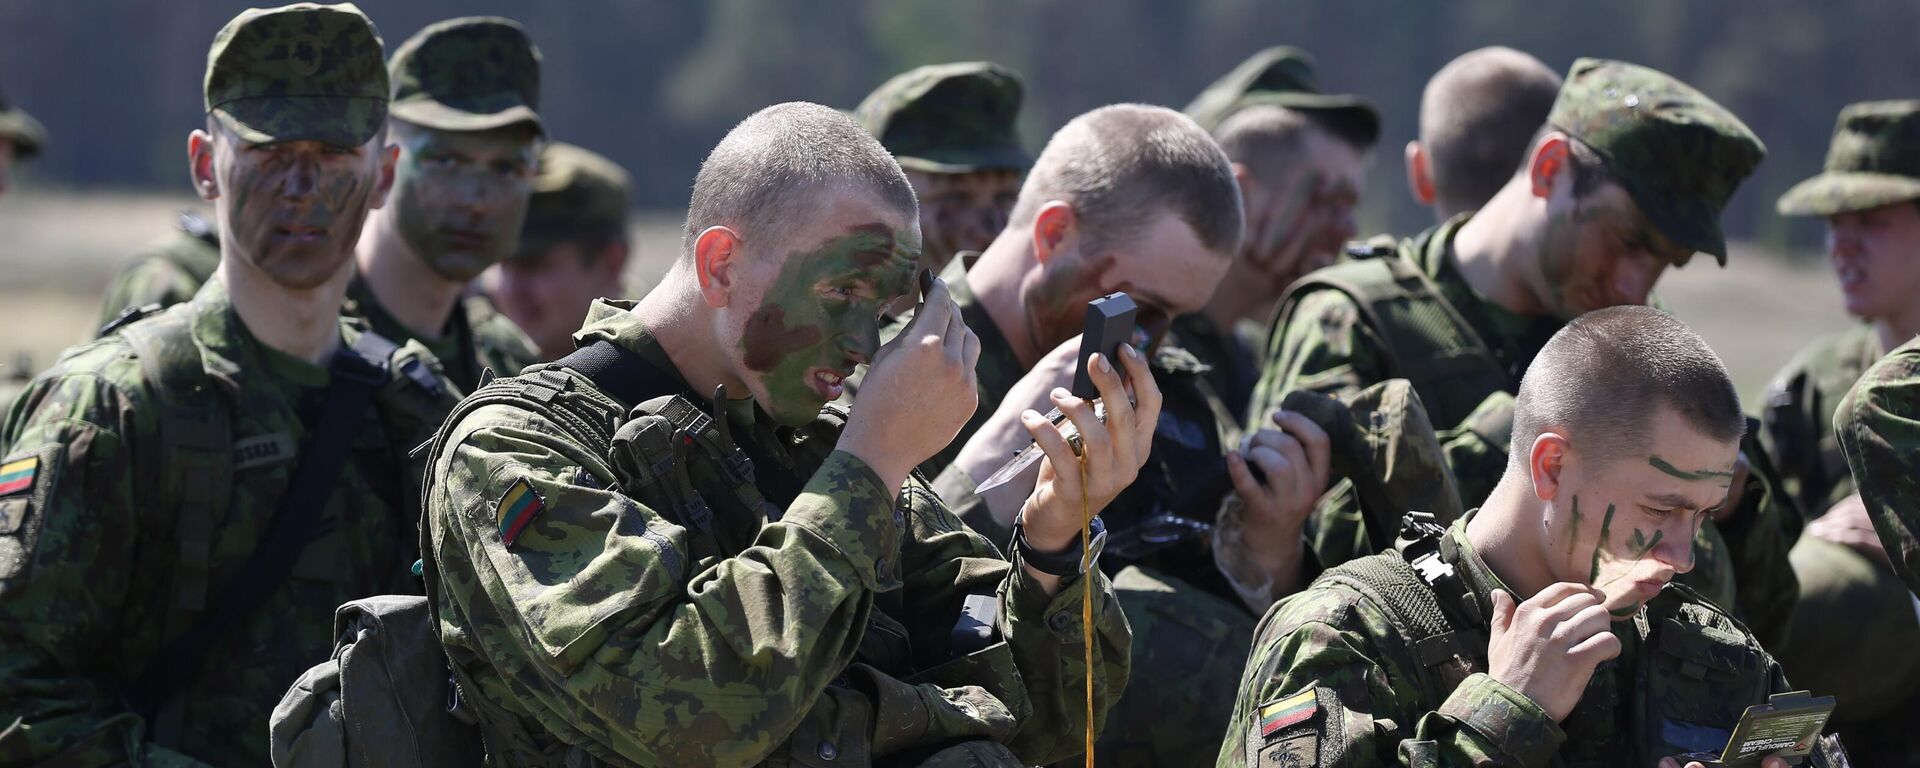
pixel 300 234
pixel 826 382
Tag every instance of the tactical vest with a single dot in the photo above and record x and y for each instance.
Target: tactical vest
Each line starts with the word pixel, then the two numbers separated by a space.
pixel 1425 338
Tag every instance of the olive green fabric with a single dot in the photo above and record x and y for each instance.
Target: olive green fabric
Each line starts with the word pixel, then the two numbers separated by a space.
pixel 1874 675
pixel 578 196
pixel 1282 76
pixel 1797 423
pixel 1879 427
pixel 298 72
pixel 473 73
pixel 165 273
pixel 477 336
pixel 1679 154
pixel 1874 160
pixel 949 118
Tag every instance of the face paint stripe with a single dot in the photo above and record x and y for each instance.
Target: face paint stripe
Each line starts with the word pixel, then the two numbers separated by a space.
pixel 1705 474
pixel 1593 571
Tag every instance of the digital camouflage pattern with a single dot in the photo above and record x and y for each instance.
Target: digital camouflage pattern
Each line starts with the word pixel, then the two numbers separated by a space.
pixel 477 336
pixel 88 557
pixel 27 134
pixel 473 73
pixel 1874 160
pixel 1233 369
pixel 1798 417
pixel 1677 153
pixel 299 72
pixel 578 196
pixel 949 118
pixel 614 632
pixel 1282 76
pixel 1333 682
pixel 1346 327
pixel 1879 425
pixel 168 272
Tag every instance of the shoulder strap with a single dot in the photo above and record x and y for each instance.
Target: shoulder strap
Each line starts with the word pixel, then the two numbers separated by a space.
pixel 353 379
pixel 1408 592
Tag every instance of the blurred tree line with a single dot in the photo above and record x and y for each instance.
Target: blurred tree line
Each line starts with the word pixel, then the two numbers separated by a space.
pixel 654 83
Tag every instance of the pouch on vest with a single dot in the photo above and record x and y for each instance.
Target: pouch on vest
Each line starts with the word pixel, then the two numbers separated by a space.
pixel 383 701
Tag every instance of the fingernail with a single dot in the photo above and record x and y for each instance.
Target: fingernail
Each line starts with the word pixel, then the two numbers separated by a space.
pixel 1031 416
pixel 1129 351
pixel 1101 360
pixel 1060 393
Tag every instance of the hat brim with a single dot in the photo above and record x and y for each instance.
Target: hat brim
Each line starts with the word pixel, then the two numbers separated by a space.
pixel 1003 157
pixel 1843 191
pixel 1690 222
pixel 1353 110
pixel 345 121
pixel 26 133
pixel 433 114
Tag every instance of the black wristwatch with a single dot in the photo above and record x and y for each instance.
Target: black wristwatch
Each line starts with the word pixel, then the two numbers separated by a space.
pixel 1068 562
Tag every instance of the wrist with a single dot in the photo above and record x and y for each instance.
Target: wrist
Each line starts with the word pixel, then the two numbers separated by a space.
pixel 891 474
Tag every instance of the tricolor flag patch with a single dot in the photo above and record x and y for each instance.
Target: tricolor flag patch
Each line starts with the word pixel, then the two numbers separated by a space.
pixel 1288 711
pixel 517 509
pixel 17 476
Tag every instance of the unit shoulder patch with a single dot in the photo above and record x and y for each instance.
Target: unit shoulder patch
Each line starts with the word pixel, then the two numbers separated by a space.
pixel 16 476
pixel 517 508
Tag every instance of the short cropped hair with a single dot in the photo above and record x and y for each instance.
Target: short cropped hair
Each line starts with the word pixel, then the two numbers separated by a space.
pixel 759 177
pixel 1266 138
pixel 1120 164
pixel 1604 377
pixel 1477 118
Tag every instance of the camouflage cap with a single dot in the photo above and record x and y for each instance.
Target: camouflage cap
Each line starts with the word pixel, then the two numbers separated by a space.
pixel 577 195
pixel 474 73
pixel 1678 154
pixel 1874 160
pixel 1283 76
pixel 948 118
pixel 26 133
pixel 298 72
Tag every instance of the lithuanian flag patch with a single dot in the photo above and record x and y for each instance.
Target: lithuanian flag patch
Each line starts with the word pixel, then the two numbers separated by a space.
pixel 518 507
pixel 1288 711
pixel 17 476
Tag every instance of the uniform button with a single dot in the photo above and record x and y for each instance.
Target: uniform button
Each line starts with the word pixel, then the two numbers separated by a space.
pixel 828 751
pixel 1059 621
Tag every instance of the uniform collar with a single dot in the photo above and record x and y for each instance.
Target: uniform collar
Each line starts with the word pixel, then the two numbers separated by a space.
pixel 230 353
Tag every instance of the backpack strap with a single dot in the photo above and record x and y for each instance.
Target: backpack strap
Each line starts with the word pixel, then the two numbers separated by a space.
pixel 352 381
pixel 1408 584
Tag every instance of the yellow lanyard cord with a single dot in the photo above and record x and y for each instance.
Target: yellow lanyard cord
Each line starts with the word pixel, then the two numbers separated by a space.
pixel 1086 601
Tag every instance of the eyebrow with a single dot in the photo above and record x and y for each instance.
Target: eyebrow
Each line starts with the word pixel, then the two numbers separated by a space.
pixel 1672 500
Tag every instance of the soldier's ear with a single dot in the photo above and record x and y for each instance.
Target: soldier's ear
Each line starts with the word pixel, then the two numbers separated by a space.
pixel 1546 461
pixel 1547 163
pixel 1056 230
pixel 200 164
pixel 1419 175
pixel 716 259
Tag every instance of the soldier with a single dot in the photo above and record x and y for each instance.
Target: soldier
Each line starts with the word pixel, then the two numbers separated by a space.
pixel 21 137
pixel 167 272
pixel 1300 158
pixel 1543 628
pixel 757 580
pixel 185 500
pixel 951 127
pixel 1870 196
pixel 1626 179
pixel 1478 117
pixel 573 248
pixel 1879 425
pixel 464 95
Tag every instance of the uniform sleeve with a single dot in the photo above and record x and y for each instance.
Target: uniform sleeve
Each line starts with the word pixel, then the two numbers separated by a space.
pixel 68 534
pixel 1318 690
pixel 1879 429
pixel 1319 344
pixel 600 630
pixel 148 280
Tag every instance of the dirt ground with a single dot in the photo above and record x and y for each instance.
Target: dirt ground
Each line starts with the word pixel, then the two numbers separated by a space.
pixel 58 251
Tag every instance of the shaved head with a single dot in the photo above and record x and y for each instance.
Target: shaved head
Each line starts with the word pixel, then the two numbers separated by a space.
pixel 1478 117
pixel 1603 378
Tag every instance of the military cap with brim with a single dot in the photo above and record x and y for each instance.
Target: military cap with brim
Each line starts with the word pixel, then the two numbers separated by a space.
pixel 1283 76
pixel 1874 161
pixel 577 195
pixel 949 118
pixel 1677 153
pixel 302 72
pixel 474 73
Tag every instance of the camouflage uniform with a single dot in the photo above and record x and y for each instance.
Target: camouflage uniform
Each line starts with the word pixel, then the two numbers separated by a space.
pixel 1411 314
pixel 477 336
pixel 1874 160
pixel 798 617
pixel 126 512
pixel 167 272
pixel 1879 427
pixel 1337 679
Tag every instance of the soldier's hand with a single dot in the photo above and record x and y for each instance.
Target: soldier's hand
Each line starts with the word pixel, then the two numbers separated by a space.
pixel 892 427
pixel 1114 450
pixel 1766 762
pixel 1294 460
pixel 1847 523
pixel 1547 647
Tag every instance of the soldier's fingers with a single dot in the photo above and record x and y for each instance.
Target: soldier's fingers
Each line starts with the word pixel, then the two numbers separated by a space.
pixel 1770 761
pixel 1095 442
pixel 933 313
pixel 1303 473
pixel 1596 649
pixel 1588 622
pixel 1146 394
pixel 1066 478
pixel 954 336
pixel 1250 490
pixel 1668 762
pixel 1275 465
pixel 1503 608
pixel 1556 592
pixel 1113 393
pixel 972 351
pixel 1318 445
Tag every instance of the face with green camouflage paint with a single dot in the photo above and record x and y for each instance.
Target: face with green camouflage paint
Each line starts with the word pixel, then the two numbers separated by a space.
pixel 1626 524
pixel 1164 267
pixel 1298 221
pixel 459 197
pixel 293 210
pixel 809 308
pixel 1599 251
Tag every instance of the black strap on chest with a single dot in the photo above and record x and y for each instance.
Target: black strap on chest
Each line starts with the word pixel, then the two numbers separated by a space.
pixel 354 375
pixel 1411 583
